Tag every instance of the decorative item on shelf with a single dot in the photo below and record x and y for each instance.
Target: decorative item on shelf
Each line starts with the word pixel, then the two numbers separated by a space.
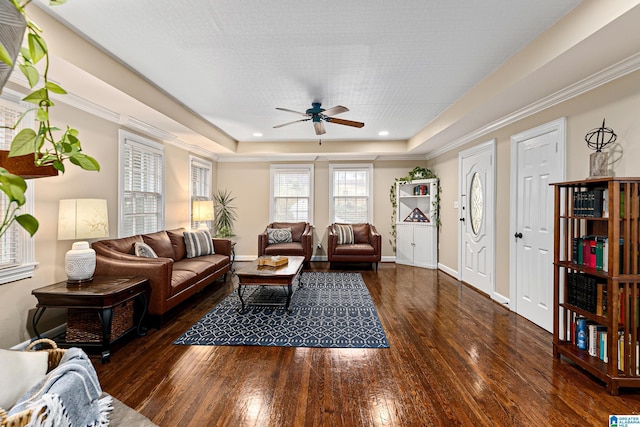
pixel 597 139
pixel 202 211
pixel 416 215
pixel 81 219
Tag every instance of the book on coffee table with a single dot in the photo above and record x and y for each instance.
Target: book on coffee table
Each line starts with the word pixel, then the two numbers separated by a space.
pixel 274 261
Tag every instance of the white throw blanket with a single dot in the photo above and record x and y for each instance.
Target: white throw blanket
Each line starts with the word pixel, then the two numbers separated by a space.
pixel 68 396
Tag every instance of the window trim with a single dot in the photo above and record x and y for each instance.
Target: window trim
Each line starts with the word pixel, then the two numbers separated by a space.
pixel 273 169
pixel 25 269
pixel 204 164
pixel 123 137
pixel 349 167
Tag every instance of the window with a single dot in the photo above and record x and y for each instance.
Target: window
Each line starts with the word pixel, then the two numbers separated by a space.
pixel 17 260
pixel 292 193
pixel 351 195
pixel 141 186
pixel 200 182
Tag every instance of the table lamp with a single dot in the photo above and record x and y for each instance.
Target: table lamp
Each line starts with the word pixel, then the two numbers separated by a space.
pixel 81 219
pixel 202 211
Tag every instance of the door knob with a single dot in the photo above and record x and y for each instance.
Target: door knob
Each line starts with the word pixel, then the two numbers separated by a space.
pixel 462 219
pixel 518 235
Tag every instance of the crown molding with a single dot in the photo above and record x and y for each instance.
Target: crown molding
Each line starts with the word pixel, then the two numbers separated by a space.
pixel 609 74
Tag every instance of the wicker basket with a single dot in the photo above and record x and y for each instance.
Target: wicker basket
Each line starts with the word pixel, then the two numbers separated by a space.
pixel 84 325
pixel 21 419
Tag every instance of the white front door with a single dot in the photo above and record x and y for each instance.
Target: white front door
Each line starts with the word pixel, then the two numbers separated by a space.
pixel 538 161
pixel 476 209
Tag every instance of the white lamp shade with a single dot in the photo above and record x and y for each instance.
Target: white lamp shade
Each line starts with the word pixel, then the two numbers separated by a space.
pixel 82 219
pixel 202 210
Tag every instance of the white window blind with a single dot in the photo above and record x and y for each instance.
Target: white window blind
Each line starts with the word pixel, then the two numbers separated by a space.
pixel 142 186
pixel 16 246
pixel 201 174
pixel 351 193
pixel 292 193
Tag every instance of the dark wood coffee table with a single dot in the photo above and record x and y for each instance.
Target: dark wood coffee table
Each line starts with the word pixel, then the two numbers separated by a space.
pixel 255 274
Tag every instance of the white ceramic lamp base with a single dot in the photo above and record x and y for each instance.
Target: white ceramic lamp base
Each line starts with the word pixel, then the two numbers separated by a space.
pixel 80 263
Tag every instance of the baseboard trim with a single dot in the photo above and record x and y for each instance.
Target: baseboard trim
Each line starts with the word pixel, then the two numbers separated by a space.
pixel 48 334
pixel 450 271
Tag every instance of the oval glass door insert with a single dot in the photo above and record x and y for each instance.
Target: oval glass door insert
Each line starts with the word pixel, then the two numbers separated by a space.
pixel 476 203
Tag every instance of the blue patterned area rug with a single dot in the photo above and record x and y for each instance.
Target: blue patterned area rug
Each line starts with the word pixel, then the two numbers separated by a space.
pixel 330 310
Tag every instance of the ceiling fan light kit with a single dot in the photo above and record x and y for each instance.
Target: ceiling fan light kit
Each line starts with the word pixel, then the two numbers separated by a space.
pixel 319 115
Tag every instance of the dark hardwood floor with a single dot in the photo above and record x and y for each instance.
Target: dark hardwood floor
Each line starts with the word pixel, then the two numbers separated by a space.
pixel 455 358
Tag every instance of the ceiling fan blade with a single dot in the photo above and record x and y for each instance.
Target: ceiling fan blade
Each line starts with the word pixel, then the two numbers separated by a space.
pixel 338 109
pixel 292 111
pixel 319 126
pixel 290 123
pixel 345 122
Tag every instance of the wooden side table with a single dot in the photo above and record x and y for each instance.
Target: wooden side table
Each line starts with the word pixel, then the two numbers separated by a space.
pixel 102 295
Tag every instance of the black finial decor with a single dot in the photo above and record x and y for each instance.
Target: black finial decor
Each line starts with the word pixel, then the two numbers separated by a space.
pixel 597 139
pixel 600 134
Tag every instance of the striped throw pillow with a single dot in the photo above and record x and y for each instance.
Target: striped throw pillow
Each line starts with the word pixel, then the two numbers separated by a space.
pixel 198 243
pixel 345 234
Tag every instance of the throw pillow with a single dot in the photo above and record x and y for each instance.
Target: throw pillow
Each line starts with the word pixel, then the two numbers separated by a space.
pixel 144 250
pixel 279 235
pixel 198 243
pixel 20 370
pixel 345 234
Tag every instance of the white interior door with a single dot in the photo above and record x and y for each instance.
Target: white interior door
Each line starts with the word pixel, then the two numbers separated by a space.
pixel 476 202
pixel 538 161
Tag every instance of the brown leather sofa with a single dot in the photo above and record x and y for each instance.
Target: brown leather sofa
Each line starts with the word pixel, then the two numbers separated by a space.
pixel 301 245
pixel 366 246
pixel 173 277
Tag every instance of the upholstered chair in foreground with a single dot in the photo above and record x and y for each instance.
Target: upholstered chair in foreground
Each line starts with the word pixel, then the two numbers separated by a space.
pixel 354 243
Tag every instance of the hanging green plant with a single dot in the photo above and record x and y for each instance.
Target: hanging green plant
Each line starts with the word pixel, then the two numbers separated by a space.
pixel 413 175
pixel 45 143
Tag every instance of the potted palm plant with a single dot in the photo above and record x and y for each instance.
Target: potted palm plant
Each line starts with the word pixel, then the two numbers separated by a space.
pixel 47 145
pixel 225 214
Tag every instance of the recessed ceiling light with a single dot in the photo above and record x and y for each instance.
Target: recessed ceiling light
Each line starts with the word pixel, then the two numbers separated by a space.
pixel 257 134
pixel 383 133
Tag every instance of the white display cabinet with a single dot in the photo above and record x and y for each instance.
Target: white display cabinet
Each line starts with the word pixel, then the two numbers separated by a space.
pixel 416 229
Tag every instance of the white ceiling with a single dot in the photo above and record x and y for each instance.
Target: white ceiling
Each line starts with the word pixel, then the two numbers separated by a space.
pixel 397 65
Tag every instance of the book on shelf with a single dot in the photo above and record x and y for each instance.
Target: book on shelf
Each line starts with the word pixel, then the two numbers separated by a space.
pixel 589 203
pixel 584 292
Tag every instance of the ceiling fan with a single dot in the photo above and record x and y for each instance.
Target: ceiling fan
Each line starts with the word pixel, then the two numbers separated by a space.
pixel 318 115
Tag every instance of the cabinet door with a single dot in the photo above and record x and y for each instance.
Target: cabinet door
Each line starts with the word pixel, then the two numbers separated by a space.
pixel 404 244
pixel 424 251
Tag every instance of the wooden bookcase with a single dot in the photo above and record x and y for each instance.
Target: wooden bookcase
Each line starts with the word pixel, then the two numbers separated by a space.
pixel 616 273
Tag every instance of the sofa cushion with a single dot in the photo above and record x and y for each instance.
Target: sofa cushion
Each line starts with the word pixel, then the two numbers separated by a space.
pixel 124 245
pixel 344 233
pixel 144 250
pixel 279 235
pixel 297 228
pixel 292 249
pixel 160 243
pixel 198 243
pixel 355 249
pixel 360 233
pixel 177 241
